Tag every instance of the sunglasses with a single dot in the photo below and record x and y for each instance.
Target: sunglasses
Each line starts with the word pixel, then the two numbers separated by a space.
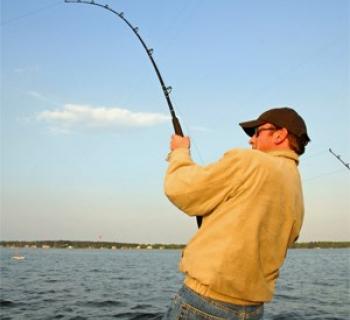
pixel 258 130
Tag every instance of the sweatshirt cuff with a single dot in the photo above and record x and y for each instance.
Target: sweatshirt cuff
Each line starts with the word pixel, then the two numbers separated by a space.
pixel 179 154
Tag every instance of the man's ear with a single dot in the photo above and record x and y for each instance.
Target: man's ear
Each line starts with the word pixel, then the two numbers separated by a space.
pixel 281 135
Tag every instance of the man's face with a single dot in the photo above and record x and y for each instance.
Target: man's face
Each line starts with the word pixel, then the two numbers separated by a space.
pixel 263 139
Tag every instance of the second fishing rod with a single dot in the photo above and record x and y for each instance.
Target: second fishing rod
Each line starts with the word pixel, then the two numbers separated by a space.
pixel 166 89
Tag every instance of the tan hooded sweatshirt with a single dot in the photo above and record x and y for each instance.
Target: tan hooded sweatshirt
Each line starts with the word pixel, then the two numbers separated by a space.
pixel 252 208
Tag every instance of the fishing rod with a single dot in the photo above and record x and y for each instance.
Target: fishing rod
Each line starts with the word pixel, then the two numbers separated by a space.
pixel 347 165
pixel 149 51
pixel 166 89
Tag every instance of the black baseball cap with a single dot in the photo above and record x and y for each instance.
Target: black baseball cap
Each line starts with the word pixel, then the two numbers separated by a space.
pixel 282 118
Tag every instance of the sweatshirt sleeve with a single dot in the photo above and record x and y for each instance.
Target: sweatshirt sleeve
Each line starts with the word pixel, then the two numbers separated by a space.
pixel 198 190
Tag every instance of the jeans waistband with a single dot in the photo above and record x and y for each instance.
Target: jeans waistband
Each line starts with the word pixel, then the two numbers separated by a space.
pixel 188 293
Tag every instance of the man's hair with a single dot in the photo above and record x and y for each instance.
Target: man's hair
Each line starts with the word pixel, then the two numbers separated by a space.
pixel 297 144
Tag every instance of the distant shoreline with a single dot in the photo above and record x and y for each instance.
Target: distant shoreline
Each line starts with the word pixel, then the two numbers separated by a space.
pixel 67 244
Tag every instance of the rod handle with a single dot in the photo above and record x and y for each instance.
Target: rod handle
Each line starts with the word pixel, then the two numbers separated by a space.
pixel 177 127
pixel 199 221
pixel 178 131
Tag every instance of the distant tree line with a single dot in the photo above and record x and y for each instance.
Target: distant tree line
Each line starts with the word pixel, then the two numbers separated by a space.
pixel 67 244
pixel 322 245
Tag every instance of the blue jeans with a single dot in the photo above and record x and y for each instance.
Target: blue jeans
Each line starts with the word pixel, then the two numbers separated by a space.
pixel 188 305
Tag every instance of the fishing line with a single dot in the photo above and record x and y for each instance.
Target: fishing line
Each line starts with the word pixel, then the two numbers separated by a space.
pixel 178 19
pixel 315 154
pixel 14 19
pixel 299 65
pixel 166 89
pixel 323 174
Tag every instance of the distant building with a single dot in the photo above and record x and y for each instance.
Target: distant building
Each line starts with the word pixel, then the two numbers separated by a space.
pixel 45 246
pixel 149 247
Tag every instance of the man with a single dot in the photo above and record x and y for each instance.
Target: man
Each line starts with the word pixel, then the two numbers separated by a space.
pixel 251 203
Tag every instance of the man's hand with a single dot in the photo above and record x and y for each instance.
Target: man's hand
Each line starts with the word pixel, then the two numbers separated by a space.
pixel 179 142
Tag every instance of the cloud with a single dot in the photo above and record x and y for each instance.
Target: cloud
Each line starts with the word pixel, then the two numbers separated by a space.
pixel 42 97
pixel 71 116
pixel 35 94
pixel 26 69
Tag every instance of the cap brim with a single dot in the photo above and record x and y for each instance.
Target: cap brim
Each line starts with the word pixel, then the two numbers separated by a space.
pixel 249 126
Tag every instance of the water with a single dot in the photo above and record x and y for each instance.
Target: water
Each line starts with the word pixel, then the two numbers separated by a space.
pixel 138 284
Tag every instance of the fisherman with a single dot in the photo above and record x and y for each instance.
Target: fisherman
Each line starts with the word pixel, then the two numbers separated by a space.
pixel 251 203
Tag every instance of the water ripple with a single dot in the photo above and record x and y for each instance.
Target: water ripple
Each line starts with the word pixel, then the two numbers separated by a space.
pixel 138 285
pixel 7 304
pixel 138 316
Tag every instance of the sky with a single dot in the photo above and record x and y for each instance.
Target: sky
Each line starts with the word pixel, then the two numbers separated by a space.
pixel 85 128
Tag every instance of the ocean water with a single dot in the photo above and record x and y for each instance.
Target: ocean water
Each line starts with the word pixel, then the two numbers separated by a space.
pixel 139 284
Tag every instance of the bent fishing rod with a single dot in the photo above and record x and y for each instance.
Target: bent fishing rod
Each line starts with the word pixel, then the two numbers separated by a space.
pixel 347 165
pixel 166 90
